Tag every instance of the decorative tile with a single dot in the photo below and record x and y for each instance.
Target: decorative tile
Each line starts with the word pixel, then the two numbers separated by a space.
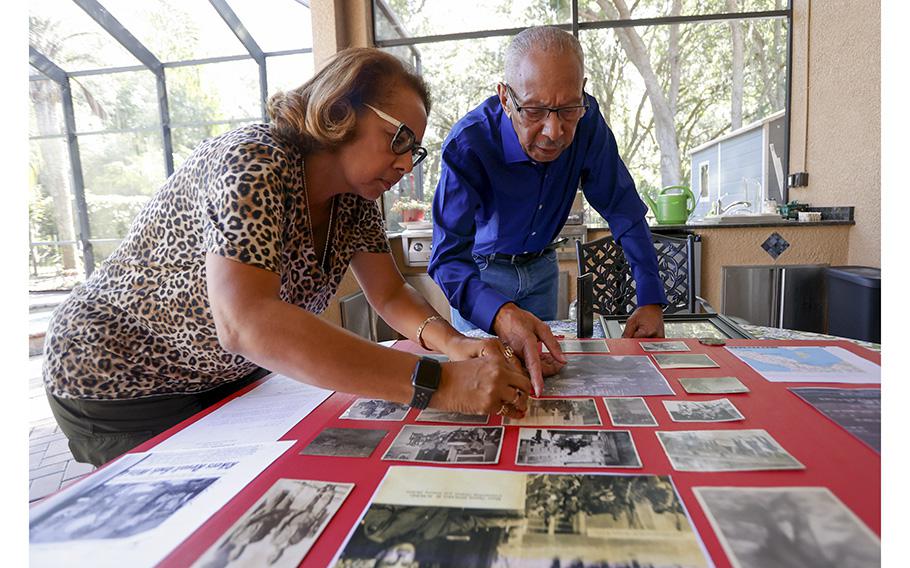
pixel 775 245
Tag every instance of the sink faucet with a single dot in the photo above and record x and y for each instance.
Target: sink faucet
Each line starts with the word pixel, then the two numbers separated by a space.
pixel 719 209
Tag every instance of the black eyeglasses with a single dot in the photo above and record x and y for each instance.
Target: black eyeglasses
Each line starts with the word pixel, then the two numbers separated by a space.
pixel 404 140
pixel 571 113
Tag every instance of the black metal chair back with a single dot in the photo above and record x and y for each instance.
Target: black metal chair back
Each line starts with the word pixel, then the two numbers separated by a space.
pixel 614 287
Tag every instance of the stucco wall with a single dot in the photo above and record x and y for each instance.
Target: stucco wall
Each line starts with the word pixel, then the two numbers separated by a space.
pixel 835 126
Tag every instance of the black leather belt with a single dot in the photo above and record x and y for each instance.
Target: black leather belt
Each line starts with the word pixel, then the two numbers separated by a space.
pixel 528 256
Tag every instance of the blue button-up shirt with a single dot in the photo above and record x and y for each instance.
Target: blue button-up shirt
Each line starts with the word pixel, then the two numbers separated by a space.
pixel 492 197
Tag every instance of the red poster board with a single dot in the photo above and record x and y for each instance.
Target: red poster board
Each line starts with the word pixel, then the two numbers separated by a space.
pixel 833 458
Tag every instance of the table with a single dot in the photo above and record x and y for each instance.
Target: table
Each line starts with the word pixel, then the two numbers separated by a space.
pixel 833 458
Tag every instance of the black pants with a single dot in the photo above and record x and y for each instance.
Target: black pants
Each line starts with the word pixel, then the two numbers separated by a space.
pixel 101 430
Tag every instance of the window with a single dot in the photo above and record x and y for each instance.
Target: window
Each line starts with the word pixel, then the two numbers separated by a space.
pixel 694 72
pixel 82 75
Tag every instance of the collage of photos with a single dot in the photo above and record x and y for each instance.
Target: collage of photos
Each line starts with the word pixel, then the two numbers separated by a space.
pixel 488 518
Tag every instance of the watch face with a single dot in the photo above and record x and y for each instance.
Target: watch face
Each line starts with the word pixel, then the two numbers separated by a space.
pixel 427 374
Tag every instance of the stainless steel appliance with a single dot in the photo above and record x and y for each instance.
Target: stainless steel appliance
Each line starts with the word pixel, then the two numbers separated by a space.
pixel 782 296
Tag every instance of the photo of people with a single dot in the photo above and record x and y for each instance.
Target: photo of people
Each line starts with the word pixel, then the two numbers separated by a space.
pixel 449 444
pixel 280 528
pixel 535 519
pixel 576 448
pixel 375 409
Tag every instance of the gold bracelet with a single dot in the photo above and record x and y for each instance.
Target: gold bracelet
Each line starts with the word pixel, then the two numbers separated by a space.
pixel 420 331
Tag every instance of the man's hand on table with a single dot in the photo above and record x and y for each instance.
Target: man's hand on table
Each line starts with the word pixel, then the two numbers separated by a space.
pixel 522 331
pixel 645 321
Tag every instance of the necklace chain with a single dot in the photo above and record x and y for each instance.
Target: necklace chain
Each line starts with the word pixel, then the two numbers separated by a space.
pixel 309 221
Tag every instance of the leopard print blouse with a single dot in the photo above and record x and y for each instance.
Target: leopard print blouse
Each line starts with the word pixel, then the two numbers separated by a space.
pixel 141 325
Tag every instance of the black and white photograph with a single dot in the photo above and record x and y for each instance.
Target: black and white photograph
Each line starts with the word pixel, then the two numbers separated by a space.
pixel 807 527
pixel 725 450
pixel 607 375
pixel 433 415
pixel 658 346
pixel 558 412
pixel 576 448
pixel 376 409
pixel 858 411
pixel 581 346
pixel 117 510
pixel 280 528
pixel 713 385
pixel 446 444
pixel 629 411
pixel 684 361
pixel 482 518
pixel 345 443
pixel 720 410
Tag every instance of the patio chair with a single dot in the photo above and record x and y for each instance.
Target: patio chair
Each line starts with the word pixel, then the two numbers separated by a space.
pixel 614 287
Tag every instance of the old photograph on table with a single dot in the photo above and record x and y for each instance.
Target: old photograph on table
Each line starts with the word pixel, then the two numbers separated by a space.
pixel 725 450
pixel 713 385
pixel 629 411
pixel 657 346
pixel 345 442
pixel 809 364
pixel 720 410
pixel 576 448
pixel 433 415
pixel 142 505
pixel 279 529
pixel 581 346
pixel 607 375
pixel 486 518
pixel 446 444
pixel 558 412
pixel 684 361
pixel 376 409
pixel 858 411
pixel 807 527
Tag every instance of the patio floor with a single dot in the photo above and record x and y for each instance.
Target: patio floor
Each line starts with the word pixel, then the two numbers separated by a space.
pixel 50 463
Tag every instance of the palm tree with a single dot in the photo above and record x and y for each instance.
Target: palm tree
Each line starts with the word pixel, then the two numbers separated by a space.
pixel 46 37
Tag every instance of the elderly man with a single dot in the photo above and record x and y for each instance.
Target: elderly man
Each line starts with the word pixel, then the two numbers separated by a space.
pixel 510 171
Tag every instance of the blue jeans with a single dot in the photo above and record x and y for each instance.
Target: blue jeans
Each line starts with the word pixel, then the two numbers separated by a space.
pixel 533 285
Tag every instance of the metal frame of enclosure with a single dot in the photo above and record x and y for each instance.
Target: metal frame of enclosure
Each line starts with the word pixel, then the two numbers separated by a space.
pixel 149 62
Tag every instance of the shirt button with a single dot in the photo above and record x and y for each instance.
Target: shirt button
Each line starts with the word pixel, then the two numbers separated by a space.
pixel 533 233
pixel 525 252
pixel 540 206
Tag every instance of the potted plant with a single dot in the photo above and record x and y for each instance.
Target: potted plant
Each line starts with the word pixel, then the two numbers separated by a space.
pixel 411 210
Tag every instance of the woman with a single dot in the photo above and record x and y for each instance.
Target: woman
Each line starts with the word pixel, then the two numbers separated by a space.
pixel 225 269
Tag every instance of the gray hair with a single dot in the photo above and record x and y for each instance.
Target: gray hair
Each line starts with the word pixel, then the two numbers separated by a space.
pixel 537 39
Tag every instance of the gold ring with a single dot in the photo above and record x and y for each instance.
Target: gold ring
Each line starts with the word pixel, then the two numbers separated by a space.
pixel 482 351
pixel 503 410
pixel 517 396
pixel 509 352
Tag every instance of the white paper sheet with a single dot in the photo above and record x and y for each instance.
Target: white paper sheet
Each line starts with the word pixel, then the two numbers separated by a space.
pixel 137 510
pixel 809 364
pixel 264 414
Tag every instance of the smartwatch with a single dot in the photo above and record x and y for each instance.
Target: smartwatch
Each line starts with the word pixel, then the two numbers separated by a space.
pixel 425 380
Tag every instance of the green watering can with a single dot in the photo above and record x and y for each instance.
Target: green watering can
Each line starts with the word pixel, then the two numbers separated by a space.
pixel 671 208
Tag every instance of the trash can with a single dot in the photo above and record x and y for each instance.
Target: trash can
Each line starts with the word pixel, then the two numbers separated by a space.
pixel 855 302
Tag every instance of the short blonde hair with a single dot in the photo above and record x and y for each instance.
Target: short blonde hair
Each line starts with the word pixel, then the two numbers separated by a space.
pixel 321 114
